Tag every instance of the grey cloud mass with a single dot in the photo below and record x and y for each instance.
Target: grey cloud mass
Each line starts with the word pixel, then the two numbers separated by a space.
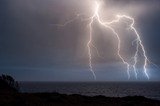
pixel 33 48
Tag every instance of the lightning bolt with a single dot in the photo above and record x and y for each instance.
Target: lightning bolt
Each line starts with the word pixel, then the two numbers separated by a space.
pixel 107 25
pixel 138 40
pixel 138 43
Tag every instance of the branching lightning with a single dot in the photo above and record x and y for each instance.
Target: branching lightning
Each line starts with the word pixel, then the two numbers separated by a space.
pixel 108 25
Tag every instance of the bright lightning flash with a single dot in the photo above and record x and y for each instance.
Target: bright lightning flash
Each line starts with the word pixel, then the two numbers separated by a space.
pixel 139 44
pixel 107 25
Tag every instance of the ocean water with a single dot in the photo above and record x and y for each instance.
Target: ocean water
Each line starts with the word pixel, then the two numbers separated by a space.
pixel 109 89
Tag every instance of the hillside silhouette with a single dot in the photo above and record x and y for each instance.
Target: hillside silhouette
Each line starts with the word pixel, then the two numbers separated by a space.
pixel 11 96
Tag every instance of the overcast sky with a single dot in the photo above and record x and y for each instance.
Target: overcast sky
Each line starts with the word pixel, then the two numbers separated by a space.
pixel 33 48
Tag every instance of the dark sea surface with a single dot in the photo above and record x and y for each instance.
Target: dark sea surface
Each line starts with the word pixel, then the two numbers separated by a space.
pixel 109 89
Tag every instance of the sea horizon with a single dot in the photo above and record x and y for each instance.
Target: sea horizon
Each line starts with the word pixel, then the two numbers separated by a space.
pixel 108 89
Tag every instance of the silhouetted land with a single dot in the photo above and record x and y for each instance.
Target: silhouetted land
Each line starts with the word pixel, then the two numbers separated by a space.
pixel 10 96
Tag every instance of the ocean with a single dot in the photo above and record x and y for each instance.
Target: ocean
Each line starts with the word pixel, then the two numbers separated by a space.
pixel 109 89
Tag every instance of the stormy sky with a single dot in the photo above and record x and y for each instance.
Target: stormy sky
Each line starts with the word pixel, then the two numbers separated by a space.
pixel 34 48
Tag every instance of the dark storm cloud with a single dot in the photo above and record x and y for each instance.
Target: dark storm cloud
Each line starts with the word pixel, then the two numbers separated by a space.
pixel 30 44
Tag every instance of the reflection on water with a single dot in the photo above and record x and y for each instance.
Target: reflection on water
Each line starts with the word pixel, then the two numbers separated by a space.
pixel 112 89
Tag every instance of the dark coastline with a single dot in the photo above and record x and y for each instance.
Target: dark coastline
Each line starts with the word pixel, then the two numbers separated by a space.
pixel 56 99
pixel 11 95
pixel 108 89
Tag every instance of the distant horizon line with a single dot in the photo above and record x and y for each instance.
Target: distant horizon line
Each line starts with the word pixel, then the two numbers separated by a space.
pixel 89 81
